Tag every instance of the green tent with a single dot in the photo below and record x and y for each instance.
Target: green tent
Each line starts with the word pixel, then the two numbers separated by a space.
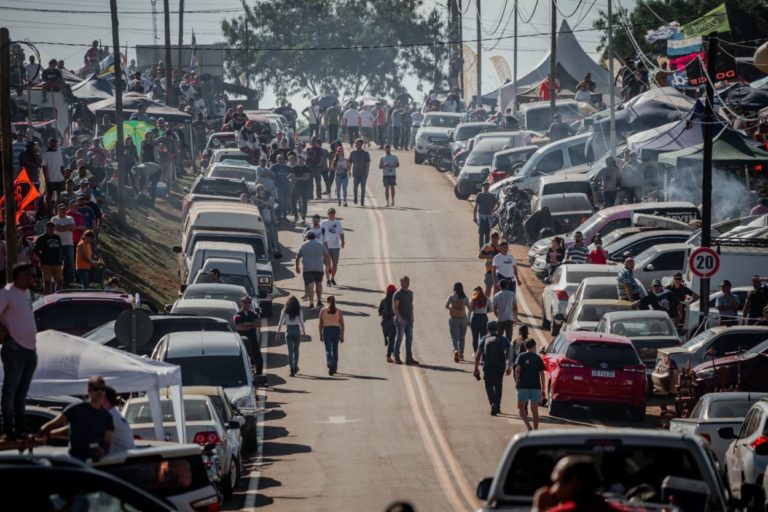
pixel 729 148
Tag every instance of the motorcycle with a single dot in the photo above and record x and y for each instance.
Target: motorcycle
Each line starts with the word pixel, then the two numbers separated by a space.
pixel 514 207
pixel 439 155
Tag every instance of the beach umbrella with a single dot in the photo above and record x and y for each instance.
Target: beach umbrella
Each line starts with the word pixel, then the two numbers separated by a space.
pixel 134 129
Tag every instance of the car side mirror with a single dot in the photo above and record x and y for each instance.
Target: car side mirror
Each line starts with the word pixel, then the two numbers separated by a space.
pixel 726 433
pixel 176 249
pixel 484 489
pixel 649 267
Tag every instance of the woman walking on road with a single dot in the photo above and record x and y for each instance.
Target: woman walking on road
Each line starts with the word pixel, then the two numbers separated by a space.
pixel 331 332
pixel 388 327
pixel 293 320
pixel 457 306
pixel 478 323
pixel 340 168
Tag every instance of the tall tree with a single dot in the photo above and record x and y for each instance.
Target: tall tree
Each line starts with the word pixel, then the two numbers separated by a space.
pixel 277 42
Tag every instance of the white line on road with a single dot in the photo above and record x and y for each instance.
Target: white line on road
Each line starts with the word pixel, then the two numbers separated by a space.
pixel 261 401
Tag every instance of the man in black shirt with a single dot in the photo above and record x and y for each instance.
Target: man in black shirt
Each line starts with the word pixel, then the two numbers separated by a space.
pixel 50 251
pixel 361 162
pixel 682 293
pixel 247 322
pixel 52 78
pixel 301 177
pixel 659 300
pixel 757 300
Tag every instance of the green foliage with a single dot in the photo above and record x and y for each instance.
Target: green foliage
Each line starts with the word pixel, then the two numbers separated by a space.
pixel 335 24
pixel 747 18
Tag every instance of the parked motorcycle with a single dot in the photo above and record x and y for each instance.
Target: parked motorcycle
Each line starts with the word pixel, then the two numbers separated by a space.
pixel 439 155
pixel 514 207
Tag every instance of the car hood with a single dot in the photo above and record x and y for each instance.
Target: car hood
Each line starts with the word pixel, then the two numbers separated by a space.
pixel 729 361
pixel 434 130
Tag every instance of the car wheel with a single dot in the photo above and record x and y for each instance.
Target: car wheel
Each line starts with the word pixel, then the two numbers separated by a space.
pixel 556 408
pixel 266 309
pixel 418 159
pixel 638 414
pixel 460 195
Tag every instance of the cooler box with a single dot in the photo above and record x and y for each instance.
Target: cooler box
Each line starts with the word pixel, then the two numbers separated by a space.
pixel 162 190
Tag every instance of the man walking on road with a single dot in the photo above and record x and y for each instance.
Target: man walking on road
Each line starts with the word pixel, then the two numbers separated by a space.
pixel 485 202
pixel 402 305
pixel 529 375
pixel 504 267
pixel 487 253
pixel 316 167
pixel 333 238
pixel 505 308
pixel 351 121
pixel 361 162
pixel 316 259
pixel 494 350
pixel 388 163
pixel 315 228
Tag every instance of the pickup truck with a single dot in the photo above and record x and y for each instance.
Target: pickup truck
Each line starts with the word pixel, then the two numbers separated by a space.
pixel 713 412
pixel 633 464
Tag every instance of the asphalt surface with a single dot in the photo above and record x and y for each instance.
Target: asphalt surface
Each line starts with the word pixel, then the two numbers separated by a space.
pixel 376 432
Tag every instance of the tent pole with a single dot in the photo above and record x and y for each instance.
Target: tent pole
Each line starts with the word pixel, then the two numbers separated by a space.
pixel 553 62
pixel 612 88
pixel 479 100
pixel 514 69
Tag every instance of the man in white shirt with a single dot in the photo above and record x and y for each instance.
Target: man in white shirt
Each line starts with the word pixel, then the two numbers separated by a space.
pixel 388 163
pixel 312 113
pixel 504 268
pixel 122 436
pixel 53 167
pixel 34 71
pixel 315 228
pixel 351 121
pixel 366 121
pixel 334 242
pixel 64 225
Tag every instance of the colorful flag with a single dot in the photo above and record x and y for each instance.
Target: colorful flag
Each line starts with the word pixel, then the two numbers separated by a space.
pixel 193 60
pixel 25 194
pixel 469 72
pixel 679 45
pixel 662 33
pixel 715 20
pixel 502 68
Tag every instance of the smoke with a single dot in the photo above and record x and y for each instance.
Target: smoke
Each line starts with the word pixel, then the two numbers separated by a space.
pixel 730 196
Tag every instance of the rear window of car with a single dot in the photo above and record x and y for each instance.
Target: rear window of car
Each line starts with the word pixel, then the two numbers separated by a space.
pixel 730 408
pixel 236 279
pixel 78 315
pixel 596 353
pixel 194 410
pixel 188 324
pixel 591 313
pixel 220 188
pixel 234 173
pixel 257 243
pixel 567 187
pixel 467 132
pixel 643 327
pixel 224 371
pixel 621 466
pixel 162 477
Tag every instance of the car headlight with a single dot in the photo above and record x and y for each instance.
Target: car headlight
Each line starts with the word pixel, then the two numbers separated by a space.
pixel 245 402
pixel 706 373
pixel 265 280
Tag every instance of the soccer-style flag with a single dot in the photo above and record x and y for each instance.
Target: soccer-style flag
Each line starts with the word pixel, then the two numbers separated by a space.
pixel 193 64
pixel 25 193
pixel 502 68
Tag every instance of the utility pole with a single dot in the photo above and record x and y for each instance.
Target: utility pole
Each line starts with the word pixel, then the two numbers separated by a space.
pixel 181 34
pixel 553 63
pixel 514 67
pixel 706 179
pixel 5 134
pixel 118 111
pixel 612 87
pixel 247 52
pixel 479 58
pixel 168 65
pixel 460 45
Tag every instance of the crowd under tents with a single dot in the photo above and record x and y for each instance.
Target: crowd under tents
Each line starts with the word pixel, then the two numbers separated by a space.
pixel 93 89
pixel 66 362
pixel 131 102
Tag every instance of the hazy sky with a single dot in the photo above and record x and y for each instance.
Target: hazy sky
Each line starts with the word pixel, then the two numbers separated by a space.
pixel 57 29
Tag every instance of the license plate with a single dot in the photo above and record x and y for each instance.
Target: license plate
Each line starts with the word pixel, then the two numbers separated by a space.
pixel 603 373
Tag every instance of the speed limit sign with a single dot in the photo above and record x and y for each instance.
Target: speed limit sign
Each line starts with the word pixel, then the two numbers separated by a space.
pixel 704 262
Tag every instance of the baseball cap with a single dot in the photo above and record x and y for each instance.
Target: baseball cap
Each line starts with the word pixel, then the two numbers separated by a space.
pixel 656 282
pixel 391 288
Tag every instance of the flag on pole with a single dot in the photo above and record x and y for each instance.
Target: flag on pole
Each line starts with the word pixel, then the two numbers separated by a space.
pixel 125 56
pixel 502 68
pixel 193 60
pixel 25 194
pixel 469 72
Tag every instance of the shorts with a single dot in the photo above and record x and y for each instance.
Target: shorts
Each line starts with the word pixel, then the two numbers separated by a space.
pixel 488 279
pixel 312 277
pixel 390 181
pixel 529 395
pixel 54 272
pixel 334 254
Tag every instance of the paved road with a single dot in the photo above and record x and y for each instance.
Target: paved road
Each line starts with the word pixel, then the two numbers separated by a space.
pixel 377 432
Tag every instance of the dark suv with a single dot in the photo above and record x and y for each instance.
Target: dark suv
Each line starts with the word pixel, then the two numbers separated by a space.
pixel 161 325
pixel 79 311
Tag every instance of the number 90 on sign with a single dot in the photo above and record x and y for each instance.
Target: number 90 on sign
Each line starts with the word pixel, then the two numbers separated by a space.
pixel 704 262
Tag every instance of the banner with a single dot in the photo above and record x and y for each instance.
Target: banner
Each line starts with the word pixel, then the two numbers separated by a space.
pixel 715 20
pixel 25 194
pixel 679 45
pixel 662 33
pixel 502 68
pixel 193 60
pixel 469 72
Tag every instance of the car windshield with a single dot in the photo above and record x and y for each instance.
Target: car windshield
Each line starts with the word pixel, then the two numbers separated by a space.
pixel 636 327
pixel 622 467
pixel 236 279
pixel 211 370
pixel 480 158
pixel 699 341
pixel 220 188
pixel 102 334
pixel 139 412
pixel 731 408
pixel 597 353
pixel 234 173
pixel 593 312
pixel 441 121
pixel 467 132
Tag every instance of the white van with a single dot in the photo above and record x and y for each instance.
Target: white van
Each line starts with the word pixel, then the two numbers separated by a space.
pixel 223 215
pixel 535 116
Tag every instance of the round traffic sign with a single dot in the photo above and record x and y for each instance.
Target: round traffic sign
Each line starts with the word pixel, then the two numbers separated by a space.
pixel 704 262
pixel 133 326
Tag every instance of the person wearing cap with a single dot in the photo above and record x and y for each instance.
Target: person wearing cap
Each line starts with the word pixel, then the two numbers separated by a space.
pixel 333 238
pixel 660 299
pixel 728 305
pixel 388 163
pixel 340 170
pixel 315 228
pixel 756 301
pixel 49 249
pixel 559 129
pixel 388 327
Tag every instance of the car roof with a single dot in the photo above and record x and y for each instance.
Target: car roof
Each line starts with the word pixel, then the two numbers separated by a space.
pixel 240 164
pixel 205 391
pixel 175 317
pixel 604 302
pixel 545 104
pixel 473 123
pixel 733 395
pixel 205 303
pixel 144 448
pixel 490 144
pixel 573 336
pixel 84 296
pixel 165 394
pixel 222 263
pixel 223 287
pixel 591 267
pixel 646 233
pixel 599 280
pixel 667 247
pixel 218 179
pixel 624 315
pixel 223 246
pixel 197 343
pixel 229 135
pixel 560 177
pixel 519 149
pixel 647 206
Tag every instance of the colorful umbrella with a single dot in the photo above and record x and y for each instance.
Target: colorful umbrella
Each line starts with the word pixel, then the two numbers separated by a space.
pixel 133 129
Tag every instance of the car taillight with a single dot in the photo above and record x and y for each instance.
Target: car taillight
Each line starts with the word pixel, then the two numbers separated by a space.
pixel 570 363
pixel 635 368
pixel 207 505
pixel 759 442
pixel 204 438
pixel 137 436
pixel 706 437
pixel 561 295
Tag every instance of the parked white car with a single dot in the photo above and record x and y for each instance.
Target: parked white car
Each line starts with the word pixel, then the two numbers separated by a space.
pixel 747 456
pixel 602 287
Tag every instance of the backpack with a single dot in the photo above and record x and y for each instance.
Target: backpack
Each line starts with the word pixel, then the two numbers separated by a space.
pixel 458 308
pixel 493 353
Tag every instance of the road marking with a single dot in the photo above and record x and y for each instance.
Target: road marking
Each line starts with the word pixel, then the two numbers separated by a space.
pixel 408 372
pixel 261 402
pixel 339 420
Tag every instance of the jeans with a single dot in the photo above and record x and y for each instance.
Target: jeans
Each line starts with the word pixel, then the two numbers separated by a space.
pixel 300 197
pixel 389 330
pixel 342 181
pixel 396 137
pixel 493 383
pixel 333 132
pixel 69 263
pixel 405 136
pixel 316 176
pixel 19 366
pixel 478 325
pixel 328 177
pixel 84 274
pixel 313 129
pixel 331 337
pixel 609 197
pixel 358 180
pixel 458 329
pixel 272 239
pixel 381 131
pixel 484 228
pixel 253 347
pixel 505 328
pixel 406 330
pixel 284 191
pixel 293 340
pixel 351 134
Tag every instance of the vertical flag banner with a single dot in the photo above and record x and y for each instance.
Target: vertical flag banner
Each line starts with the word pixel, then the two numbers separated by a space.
pixel 193 64
pixel 502 68
pixel 469 72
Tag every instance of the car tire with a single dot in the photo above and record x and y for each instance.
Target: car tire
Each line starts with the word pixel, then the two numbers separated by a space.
pixel 556 408
pixel 460 195
pixel 638 413
pixel 266 309
pixel 418 159
pixel 227 485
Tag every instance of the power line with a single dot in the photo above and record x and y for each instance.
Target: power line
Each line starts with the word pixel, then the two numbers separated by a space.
pixel 501 19
pixel 83 11
pixel 535 6
pixel 569 15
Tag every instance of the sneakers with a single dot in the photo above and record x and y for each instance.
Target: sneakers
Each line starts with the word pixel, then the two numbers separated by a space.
pixel 398 360
pixel 411 362
pixel 390 360
pixel 328 282
pixel 354 200
pixel 345 203
pixel 333 281
pixel 455 356
pixel 461 356
pixel 387 204
pixel 293 372
pixel 319 305
pixel 495 411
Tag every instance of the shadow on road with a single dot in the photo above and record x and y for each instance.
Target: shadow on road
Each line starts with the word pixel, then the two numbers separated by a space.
pixel 361 377
pixel 438 368
pixel 275 449
pixel 272 433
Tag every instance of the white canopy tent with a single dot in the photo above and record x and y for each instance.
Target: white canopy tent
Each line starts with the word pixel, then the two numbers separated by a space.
pixel 66 362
